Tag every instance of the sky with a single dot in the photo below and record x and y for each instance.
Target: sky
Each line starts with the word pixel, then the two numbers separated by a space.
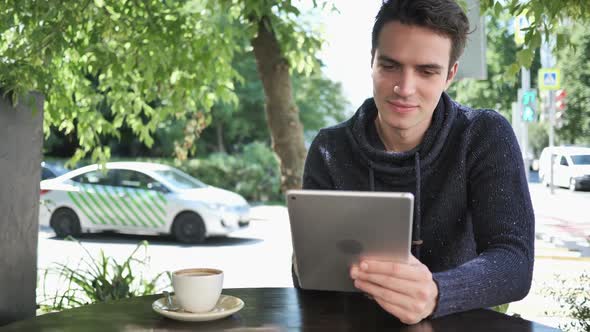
pixel 347 53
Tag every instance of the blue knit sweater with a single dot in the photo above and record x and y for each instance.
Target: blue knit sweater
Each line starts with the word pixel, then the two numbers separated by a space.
pixel 473 210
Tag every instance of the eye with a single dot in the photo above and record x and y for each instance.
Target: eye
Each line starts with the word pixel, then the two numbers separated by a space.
pixel 389 66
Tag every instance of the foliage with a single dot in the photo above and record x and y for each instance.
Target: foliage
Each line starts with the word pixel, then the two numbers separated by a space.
pixel 99 279
pixel 103 64
pixel 502 308
pixel 320 101
pixel 494 92
pixel 575 64
pixel 574 299
pixel 545 17
pixel 253 173
pixel 538 137
pixel 502 51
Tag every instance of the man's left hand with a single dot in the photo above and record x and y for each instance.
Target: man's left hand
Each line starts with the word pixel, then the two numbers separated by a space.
pixel 405 290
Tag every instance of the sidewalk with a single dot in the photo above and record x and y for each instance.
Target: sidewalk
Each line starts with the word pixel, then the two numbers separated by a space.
pixel 562 252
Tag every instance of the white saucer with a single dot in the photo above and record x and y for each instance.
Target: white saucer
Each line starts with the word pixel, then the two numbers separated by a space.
pixel 226 305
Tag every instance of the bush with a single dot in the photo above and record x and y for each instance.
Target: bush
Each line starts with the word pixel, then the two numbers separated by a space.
pixel 254 173
pixel 574 299
pixel 100 279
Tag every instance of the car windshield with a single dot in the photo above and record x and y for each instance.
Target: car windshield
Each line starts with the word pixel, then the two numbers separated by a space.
pixel 581 159
pixel 180 179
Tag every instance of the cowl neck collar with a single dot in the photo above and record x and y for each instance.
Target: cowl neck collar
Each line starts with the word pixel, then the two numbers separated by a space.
pixel 364 138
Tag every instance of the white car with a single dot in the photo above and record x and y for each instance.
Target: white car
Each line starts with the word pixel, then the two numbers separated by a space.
pixel 139 198
pixel 571 167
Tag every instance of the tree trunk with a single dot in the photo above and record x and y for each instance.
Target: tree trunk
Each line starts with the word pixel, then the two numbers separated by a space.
pixel 219 134
pixel 282 114
pixel 21 142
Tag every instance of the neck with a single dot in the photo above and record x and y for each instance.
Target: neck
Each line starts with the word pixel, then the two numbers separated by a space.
pixel 399 140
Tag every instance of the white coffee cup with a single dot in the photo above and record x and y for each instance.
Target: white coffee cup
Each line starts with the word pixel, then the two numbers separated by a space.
pixel 197 290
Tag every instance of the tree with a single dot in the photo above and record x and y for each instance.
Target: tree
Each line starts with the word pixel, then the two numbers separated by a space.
pixel 139 58
pixel 575 64
pixel 553 20
pixel 319 99
pixel 496 91
pixel 545 17
pixel 152 60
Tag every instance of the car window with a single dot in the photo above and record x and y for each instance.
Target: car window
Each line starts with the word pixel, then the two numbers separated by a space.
pixel 582 159
pixel 180 179
pixel 98 177
pixel 137 180
pixel 563 161
pixel 46 173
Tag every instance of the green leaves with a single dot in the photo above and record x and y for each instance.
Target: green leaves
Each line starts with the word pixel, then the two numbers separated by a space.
pixel 525 57
pixel 545 17
pixel 102 65
pixel 100 279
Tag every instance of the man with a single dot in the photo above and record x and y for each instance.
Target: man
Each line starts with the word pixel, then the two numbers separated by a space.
pixel 473 229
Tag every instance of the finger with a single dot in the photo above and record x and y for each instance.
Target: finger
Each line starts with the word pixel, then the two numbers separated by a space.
pixel 391 297
pixel 405 316
pixel 414 261
pixel 397 270
pixel 407 287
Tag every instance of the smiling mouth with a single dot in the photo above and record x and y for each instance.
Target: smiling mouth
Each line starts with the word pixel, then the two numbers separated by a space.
pixel 401 107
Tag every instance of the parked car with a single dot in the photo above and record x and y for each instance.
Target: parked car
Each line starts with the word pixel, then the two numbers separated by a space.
pixel 139 198
pixel 50 171
pixel 571 167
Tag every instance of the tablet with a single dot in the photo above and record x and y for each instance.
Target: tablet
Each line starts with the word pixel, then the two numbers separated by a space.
pixel 332 229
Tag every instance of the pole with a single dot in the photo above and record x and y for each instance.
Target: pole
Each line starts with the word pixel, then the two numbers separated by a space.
pixel 551 137
pixel 548 61
pixel 525 85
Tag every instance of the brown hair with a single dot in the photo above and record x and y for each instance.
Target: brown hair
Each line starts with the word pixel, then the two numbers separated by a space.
pixel 445 17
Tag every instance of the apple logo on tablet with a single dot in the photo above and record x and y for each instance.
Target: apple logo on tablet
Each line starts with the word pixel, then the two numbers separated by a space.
pixel 351 247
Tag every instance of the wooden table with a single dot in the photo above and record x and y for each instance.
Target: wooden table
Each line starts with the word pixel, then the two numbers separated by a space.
pixel 269 309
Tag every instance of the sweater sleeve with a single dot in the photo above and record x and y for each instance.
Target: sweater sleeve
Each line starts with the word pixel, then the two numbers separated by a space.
pixel 315 173
pixel 503 223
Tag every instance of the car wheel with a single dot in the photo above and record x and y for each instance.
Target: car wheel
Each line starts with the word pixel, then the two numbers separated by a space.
pixel 189 227
pixel 65 222
pixel 573 185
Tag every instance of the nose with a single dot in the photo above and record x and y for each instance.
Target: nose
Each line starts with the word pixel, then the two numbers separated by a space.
pixel 406 84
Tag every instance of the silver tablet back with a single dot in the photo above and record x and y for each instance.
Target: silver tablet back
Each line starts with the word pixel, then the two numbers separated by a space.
pixel 332 229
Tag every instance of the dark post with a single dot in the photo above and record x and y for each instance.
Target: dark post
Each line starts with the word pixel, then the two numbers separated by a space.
pixel 21 142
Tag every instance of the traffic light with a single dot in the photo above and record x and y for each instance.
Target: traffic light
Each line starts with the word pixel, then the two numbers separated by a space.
pixel 560 106
pixel 529 105
pixel 560 100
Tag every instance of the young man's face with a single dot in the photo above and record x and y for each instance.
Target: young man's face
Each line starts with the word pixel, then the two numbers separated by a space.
pixel 410 70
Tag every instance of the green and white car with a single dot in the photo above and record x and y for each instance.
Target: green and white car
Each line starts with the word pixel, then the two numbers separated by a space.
pixel 139 198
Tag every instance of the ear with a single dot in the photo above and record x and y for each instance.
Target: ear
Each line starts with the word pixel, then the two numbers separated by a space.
pixel 451 75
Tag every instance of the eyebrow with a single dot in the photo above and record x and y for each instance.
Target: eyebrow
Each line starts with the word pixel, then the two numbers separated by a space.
pixel 430 66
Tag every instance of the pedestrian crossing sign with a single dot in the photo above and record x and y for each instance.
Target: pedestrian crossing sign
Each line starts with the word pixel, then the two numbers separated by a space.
pixel 549 79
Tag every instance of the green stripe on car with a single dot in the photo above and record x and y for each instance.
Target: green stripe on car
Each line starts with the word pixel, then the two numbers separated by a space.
pixel 90 192
pixel 99 194
pixel 162 198
pixel 138 206
pixel 81 208
pixel 129 208
pixel 152 196
pixel 110 192
pixel 82 196
pixel 142 196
